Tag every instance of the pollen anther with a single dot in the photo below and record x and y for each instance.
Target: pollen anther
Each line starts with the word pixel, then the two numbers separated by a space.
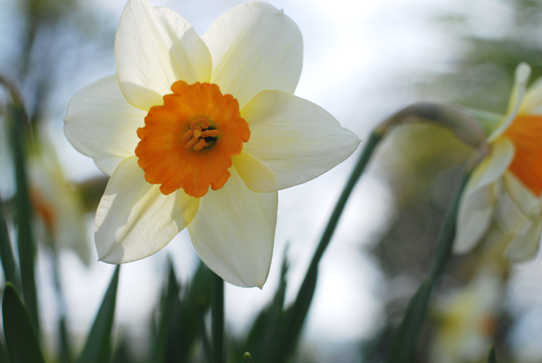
pixel 195 137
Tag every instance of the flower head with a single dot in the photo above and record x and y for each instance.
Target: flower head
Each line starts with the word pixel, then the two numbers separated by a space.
pixel 57 205
pixel 202 133
pixel 515 161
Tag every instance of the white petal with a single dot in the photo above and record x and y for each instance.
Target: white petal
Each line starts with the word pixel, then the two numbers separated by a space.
pixel 100 123
pixel 474 215
pixel 234 231
pixel 523 71
pixel 527 202
pixel 478 199
pixel 525 246
pixel 134 219
pixel 154 47
pixel 254 47
pixel 494 165
pixel 291 141
pixel 532 102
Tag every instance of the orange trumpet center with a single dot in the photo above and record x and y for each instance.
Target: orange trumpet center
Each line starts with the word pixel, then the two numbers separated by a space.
pixel 188 142
pixel 526 135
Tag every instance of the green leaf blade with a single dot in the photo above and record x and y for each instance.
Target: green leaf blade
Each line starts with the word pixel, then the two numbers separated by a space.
pixel 20 333
pixel 98 346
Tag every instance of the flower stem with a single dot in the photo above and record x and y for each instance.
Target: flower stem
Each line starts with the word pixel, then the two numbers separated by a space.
pixel 403 342
pixel 217 312
pixel 304 297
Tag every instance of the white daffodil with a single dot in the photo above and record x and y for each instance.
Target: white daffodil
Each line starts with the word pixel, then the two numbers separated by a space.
pixel 202 133
pixel 467 321
pixel 515 158
pixel 57 205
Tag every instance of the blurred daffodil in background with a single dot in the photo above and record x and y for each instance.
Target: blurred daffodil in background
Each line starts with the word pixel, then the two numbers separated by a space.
pixel 202 133
pixel 57 203
pixel 467 320
pixel 515 161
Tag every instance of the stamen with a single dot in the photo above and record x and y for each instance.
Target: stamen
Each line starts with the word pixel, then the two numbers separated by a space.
pixel 210 133
pixel 187 136
pixel 190 143
pixel 201 143
pixel 195 137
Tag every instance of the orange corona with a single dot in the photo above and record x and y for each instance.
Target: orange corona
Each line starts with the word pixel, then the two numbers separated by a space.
pixel 188 141
pixel 526 135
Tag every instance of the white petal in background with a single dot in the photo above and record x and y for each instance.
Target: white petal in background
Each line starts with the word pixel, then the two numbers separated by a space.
pixel 291 138
pixel 134 219
pixel 532 102
pixel 523 71
pixel 234 230
pixel 254 47
pixel 100 123
pixel 525 245
pixel 480 194
pixel 526 201
pixel 154 47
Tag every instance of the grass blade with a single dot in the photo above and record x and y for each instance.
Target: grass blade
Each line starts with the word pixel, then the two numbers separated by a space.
pixel 23 208
pixel 9 266
pixel 21 335
pixel 98 346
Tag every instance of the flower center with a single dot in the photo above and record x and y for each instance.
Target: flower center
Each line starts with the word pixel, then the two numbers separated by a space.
pixel 199 135
pixel 188 141
pixel 525 133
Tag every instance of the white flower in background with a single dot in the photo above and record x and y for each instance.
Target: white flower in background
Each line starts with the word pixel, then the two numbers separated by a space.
pixel 515 160
pixel 185 114
pixel 57 205
pixel 467 321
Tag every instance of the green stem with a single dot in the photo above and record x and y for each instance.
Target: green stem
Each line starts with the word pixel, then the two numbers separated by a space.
pixel 217 313
pixel 403 343
pixel 302 303
pixel 370 147
pixel 64 344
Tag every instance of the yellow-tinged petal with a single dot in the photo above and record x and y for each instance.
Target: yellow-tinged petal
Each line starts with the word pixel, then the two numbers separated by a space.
pixel 523 71
pixel 479 197
pixel 154 47
pixel 234 230
pixel 254 47
pixel 134 220
pixel 526 201
pixel 532 101
pixel 525 245
pixel 474 216
pixel 100 123
pixel 292 139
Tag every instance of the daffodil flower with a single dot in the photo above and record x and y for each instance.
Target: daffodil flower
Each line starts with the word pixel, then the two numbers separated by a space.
pixel 467 320
pixel 202 133
pixel 57 204
pixel 515 161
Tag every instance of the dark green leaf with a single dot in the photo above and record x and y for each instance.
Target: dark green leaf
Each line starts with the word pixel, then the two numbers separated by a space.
pixel 18 126
pixel 404 342
pixel 168 310
pixel 3 354
pixel 98 346
pixel 6 254
pixel 181 319
pixel 492 357
pixel 21 337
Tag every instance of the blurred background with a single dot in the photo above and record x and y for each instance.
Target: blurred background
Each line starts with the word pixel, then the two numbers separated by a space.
pixel 362 61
